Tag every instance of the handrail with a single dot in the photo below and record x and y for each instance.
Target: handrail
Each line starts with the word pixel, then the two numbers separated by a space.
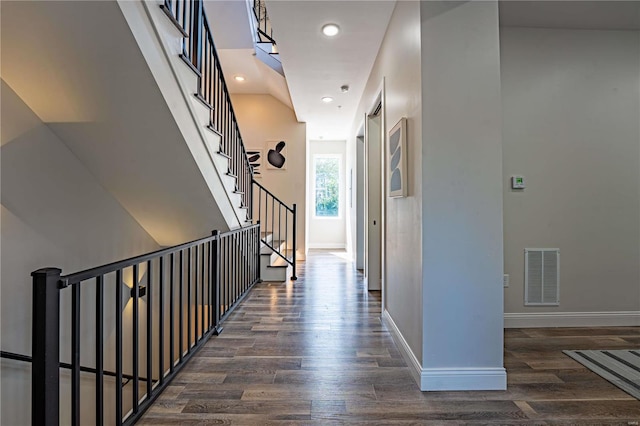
pixel 78 277
pixel 272 227
pixel 260 12
pixel 256 183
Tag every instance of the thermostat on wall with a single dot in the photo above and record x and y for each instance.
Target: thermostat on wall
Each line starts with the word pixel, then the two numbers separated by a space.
pixel 517 182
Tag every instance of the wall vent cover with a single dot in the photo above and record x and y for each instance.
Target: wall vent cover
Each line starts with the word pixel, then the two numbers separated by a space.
pixel 542 276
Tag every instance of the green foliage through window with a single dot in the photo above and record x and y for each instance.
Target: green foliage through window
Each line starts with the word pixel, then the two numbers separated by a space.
pixel 327 178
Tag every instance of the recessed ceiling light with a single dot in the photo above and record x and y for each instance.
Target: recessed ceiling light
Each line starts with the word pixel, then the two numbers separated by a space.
pixel 238 78
pixel 344 88
pixel 330 30
pixel 327 99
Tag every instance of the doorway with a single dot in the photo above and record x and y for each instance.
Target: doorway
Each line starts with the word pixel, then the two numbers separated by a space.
pixel 373 140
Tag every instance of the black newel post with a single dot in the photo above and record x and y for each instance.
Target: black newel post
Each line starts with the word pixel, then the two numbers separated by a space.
pixel 45 348
pixel 295 225
pixel 216 282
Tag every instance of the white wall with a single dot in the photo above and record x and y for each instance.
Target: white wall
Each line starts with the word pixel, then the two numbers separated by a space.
pixel 571 108
pixel 327 232
pixel 462 197
pixel 54 213
pixel 263 118
pixel 398 63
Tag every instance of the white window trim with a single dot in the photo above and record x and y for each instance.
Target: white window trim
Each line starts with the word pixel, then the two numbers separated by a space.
pixel 317 157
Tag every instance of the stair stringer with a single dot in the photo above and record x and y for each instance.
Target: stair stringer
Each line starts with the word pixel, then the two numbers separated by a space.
pixel 160 43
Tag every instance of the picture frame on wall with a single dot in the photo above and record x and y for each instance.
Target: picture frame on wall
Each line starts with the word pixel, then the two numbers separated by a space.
pixel 276 155
pixel 256 159
pixel 397 160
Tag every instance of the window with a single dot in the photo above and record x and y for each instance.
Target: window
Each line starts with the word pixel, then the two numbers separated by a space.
pixel 327 186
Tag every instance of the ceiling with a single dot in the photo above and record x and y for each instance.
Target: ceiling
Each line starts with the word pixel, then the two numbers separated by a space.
pixel 231 29
pixel 317 66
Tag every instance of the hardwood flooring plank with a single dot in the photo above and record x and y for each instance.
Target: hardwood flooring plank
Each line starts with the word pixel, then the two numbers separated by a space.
pixel 269 407
pixel 314 352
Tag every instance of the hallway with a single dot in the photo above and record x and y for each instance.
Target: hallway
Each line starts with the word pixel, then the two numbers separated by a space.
pixel 315 352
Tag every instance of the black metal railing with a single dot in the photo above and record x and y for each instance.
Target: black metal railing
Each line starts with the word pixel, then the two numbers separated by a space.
pixel 279 223
pixel 265 32
pixel 188 290
pixel 199 52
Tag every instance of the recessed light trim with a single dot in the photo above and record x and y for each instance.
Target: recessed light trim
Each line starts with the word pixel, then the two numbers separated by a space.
pixel 239 78
pixel 327 99
pixel 330 30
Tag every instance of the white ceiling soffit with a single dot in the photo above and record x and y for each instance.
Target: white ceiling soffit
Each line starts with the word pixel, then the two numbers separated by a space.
pixel 229 21
pixel 259 78
pixel 316 66
pixel 587 15
pixel 232 34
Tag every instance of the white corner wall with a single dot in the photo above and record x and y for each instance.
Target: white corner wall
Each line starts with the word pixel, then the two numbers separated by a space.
pixel 462 239
pixel 327 232
pixel 571 111
pixel 54 213
pixel 262 118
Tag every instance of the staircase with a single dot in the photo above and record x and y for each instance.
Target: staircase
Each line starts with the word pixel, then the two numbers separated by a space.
pixel 198 69
pixel 272 266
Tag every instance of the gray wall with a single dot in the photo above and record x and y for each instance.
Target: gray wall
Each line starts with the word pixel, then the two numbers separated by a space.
pixel 398 62
pixel 462 194
pixel 571 108
pixel 54 213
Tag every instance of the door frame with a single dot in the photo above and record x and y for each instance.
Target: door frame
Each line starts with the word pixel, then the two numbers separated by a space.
pixel 380 99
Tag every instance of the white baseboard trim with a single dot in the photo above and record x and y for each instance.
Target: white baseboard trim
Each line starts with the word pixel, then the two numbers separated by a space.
pixel 327 246
pixel 572 319
pixel 445 379
pixel 463 379
pixel 409 357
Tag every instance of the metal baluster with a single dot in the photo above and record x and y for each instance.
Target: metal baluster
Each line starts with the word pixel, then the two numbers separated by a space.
pixel 180 308
pixel 136 319
pixel 189 300
pixel 149 330
pixel 195 290
pixel 202 284
pixel 161 322
pixel 75 355
pixel 118 384
pixel 99 350
pixel 171 309
pixel 215 281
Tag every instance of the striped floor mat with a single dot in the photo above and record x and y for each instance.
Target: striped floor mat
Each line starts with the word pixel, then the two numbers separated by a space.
pixel 620 367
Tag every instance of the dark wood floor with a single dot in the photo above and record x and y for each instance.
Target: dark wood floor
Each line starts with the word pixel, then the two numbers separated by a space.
pixel 315 353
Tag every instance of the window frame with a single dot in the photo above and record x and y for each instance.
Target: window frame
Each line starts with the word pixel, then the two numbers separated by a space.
pixel 338 157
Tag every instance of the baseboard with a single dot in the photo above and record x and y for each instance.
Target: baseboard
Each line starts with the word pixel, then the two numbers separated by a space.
pixel 572 319
pixel 463 379
pixel 441 379
pixel 409 357
pixel 328 246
